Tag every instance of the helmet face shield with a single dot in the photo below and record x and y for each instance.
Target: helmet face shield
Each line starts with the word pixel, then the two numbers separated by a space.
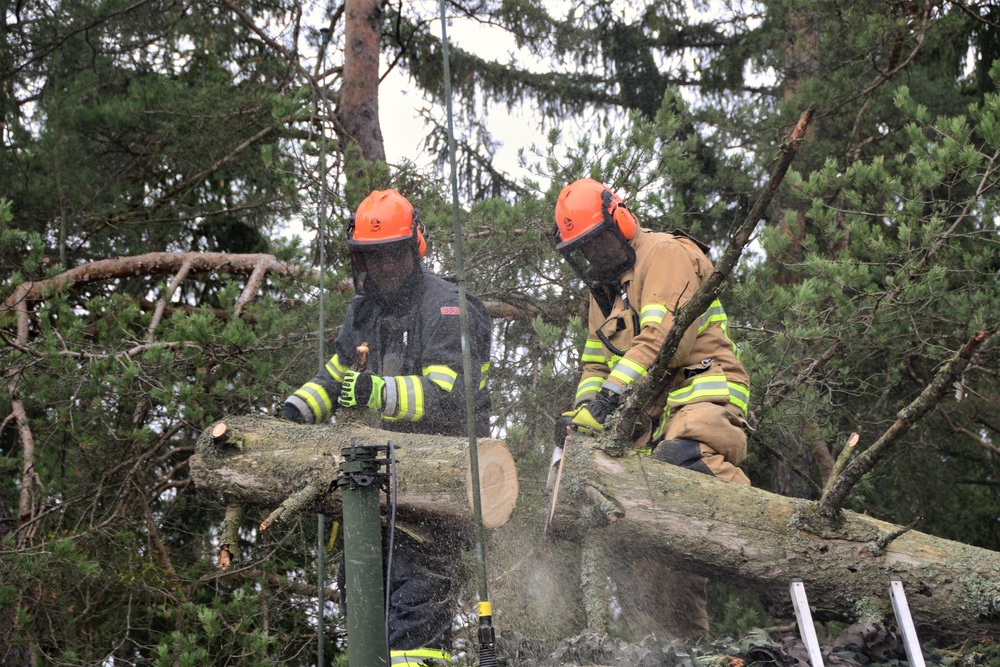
pixel 381 268
pixel 600 256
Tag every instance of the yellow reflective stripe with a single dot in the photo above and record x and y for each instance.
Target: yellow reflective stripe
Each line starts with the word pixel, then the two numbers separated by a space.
pixel 613 361
pixel 410 398
pixel 418 655
pixel 442 376
pixel 593 352
pixel 482 375
pixel 317 398
pixel 590 385
pixel 739 396
pixel 717 314
pixel 485 608
pixel 627 371
pixel 652 313
pixel 336 369
pixel 710 386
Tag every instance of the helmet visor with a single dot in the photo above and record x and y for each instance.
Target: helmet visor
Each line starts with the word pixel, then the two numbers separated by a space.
pixel 382 267
pixel 600 256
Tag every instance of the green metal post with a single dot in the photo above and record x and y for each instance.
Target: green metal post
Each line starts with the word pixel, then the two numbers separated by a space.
pixel 366 636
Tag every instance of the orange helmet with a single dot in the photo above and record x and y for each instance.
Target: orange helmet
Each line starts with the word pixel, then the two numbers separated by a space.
pixel 586 205
pixel 385 217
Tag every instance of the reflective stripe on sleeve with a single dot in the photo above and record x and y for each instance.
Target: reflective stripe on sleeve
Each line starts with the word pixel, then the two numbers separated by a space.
pixel 587 386
pixel 442 376
pixel 409 399
pixel 417 656
pixel 593 352
pixel 482 375
pixel 336 369
pixel 626 372
pixel 716 314
pixel 317 399
pixel 652 313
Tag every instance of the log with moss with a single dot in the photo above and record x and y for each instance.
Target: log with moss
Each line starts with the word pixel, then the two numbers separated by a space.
pixel 285 468
pixel 753 538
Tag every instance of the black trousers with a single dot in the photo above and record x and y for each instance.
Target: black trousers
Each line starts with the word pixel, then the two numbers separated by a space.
pixel 420 593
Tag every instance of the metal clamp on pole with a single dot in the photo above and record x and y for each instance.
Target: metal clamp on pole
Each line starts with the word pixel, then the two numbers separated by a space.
pixel 905 622
pixel 804 618
pixel 361 479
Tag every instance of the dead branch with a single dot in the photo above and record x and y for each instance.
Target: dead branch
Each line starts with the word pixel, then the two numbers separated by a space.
pixel 829 506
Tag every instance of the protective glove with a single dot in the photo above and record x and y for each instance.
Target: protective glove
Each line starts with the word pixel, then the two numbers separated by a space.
pixel 292 414
pixel 589 418
pixel 361 389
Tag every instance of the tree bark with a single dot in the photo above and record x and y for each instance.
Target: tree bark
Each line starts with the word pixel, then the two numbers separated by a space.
pixel 359 92
pixel 263 462
pixel 753 538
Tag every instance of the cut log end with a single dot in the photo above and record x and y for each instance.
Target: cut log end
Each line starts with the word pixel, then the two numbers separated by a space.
pixel 220 432
pixel 498 485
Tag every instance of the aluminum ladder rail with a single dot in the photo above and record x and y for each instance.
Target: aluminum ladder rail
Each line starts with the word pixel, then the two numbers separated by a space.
pixel 807 631
pixel 905 622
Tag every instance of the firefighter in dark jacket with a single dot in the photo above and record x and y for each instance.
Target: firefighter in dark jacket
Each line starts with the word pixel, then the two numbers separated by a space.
pixel 411 380
pixel 637 279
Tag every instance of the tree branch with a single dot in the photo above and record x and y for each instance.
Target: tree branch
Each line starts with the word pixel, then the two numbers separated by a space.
pixel 831 502
pixel 619 434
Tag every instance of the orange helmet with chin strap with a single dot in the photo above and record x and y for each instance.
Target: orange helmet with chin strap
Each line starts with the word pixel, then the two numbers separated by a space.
pixel 593 229
pixel 385 218
pixel 586 205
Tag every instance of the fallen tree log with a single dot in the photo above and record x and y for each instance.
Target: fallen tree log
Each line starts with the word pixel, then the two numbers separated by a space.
pixel 264 462
pixel 753 538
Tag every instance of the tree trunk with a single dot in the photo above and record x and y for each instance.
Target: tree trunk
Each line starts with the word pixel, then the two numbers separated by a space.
pixel 264 462
pixel 751 537
pixel 359 92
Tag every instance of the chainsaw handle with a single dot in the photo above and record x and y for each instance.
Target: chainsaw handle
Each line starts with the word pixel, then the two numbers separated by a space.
pixel 561 431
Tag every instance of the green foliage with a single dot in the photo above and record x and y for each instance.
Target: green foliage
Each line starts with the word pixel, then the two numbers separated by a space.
pixel 158 128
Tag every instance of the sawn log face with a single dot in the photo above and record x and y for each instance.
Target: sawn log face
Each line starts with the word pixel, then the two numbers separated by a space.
pixel 755 538
pixel 261 461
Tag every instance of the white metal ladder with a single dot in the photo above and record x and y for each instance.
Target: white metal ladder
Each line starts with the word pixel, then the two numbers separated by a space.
pixel 807 631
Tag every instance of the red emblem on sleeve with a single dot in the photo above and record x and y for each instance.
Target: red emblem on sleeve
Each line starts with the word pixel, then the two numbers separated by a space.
pixel 449 310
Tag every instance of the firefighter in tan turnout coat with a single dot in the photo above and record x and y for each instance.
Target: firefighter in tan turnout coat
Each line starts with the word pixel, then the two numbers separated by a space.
pixel 637 280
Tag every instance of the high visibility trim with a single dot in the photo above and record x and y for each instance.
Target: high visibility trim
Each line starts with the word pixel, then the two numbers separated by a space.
pixel 318 400
pixel 485 608
pixel 587 386
pixel 482 375
pixel 652 313
pixel 716 314
pixel 710 386
pixel 336 369
pixel 593 352
pixel 409 399
pixel 626 372
pixel 442 376
pixel 417 656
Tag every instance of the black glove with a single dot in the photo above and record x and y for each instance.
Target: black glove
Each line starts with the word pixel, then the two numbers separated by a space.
pixel 292 414
pixel 590 419
pixel 361 389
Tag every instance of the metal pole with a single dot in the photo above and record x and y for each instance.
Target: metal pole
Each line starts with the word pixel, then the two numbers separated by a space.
pixel 320 237
pixel 486 634
pixel 366 636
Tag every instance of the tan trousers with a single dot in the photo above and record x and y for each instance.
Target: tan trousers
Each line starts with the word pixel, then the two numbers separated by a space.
pixel 672 603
